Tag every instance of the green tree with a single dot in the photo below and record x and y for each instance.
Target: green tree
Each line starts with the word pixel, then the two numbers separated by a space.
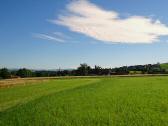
pixel 97 70
pixel 4 73
pixel 24 73
pixel 83 69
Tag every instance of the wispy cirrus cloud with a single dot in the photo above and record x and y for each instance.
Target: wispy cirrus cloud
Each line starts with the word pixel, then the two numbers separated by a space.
pixel 49 37
pixel 61 35
pixel 89 19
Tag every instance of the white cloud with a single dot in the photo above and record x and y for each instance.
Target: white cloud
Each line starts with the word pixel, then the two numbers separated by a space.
pixel 48 37
pixel 87 18
pixel 61 35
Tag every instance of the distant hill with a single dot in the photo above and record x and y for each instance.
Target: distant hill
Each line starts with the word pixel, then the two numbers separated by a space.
pixel 164 66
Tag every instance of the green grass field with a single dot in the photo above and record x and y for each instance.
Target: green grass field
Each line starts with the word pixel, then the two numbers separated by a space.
pixel 164 66
pixel 118 101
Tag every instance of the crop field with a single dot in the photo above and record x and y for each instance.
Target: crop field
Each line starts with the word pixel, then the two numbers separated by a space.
pixel 108 101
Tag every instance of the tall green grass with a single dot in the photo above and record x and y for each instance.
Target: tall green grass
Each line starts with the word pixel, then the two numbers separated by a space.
pixel 136 101
pixel 22 94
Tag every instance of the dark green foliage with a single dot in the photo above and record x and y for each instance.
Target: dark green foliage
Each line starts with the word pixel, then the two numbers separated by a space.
pixel 4 73
pixel 148 69
pixel 86 70
pixel 83 69
pixel 97 70
pixel 24 73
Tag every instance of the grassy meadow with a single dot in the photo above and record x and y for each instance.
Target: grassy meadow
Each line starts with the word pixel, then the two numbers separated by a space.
pixel 115 101
pixel 164 66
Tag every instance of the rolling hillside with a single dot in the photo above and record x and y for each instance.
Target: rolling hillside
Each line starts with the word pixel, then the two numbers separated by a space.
pixel 164 66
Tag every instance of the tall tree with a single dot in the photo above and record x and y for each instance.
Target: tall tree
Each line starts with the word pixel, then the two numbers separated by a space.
pixel 97 70
pixel 83 69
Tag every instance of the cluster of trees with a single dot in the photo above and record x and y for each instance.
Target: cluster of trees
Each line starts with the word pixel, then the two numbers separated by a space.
pixel 84 70
pixel 6 74
pixel 142 69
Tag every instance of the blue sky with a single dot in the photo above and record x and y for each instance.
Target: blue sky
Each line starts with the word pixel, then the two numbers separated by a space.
pixel 48 34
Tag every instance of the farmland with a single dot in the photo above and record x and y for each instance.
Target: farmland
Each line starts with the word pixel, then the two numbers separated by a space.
pixel 106 101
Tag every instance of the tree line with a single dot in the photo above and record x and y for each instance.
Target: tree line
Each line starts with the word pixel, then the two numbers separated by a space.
pixel 84 70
